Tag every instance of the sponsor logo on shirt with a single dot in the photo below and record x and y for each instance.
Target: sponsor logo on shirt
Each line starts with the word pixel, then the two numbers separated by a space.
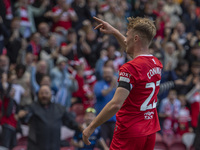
pixel 148 115
pixel 124 76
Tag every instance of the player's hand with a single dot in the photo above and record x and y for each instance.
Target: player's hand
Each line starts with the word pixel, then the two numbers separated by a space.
pixel 104 27
pixel 86 134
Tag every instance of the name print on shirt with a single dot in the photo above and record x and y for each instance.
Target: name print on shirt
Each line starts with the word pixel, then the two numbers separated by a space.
pixel 154 71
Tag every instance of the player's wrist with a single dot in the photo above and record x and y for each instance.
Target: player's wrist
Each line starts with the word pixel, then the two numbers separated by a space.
pixel 115 32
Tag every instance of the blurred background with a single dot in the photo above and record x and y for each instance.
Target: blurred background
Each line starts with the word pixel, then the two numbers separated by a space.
pixel 53 43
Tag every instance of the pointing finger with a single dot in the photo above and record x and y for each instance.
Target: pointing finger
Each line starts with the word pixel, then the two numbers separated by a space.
pixel 99 20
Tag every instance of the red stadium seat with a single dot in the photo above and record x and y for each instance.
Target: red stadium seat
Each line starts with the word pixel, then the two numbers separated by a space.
pixel 177 146
pixel 22 141
pixel 170 139
pixel 20 147
pixel 160 146
pixel 67 148
pixel 78 109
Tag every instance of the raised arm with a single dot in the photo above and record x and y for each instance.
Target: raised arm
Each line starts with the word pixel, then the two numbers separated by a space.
pixel 108 111
pixel 106 28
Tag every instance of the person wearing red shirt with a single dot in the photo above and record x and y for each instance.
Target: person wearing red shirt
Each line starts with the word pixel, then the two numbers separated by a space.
pixel 63 16
pixel 9 112
pixel 135 98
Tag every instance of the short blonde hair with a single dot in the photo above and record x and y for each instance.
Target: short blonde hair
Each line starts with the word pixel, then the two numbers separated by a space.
pixel 142 26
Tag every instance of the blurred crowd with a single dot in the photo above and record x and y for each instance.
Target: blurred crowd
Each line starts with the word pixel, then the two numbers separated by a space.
pixel 53 43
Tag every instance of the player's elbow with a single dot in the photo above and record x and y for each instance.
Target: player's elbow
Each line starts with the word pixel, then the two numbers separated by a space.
pixel 115 107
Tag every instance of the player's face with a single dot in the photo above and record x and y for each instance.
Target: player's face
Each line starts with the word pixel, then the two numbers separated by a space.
pixel 129 42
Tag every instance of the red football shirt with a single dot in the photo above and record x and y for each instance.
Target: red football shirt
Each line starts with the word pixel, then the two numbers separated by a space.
pixel 64 20
pixel 138 115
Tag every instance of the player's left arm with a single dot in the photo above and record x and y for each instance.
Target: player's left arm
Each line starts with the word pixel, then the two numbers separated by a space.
pixel 107 112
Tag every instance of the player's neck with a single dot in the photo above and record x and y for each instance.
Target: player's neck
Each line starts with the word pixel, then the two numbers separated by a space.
pixel 140 51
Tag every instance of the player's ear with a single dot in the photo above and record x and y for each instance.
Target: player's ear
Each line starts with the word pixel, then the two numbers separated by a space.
pixel 136 37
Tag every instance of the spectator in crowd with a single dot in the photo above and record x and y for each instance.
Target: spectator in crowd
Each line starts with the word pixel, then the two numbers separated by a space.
pixel 193 78
pixel 41 70
pixel 148 11
pixel 91 53
pixel 108 87
pixel 64 82
pixel 82 10
pixel 4 33
pixel 111 56
pixel 15 40
pixel 7 11
pixel 21 59
pixel 184 5
pixel 85 93
pixel 181 71
pixel 93 7
pixel 4 63
pixel 19 90
pixel 161 19
pixel 9 111
pixel 194 54
pixel 169 110
pixel 190 19
pixel 44 30
pixel 193 97
pixel 45 80
pixel 184 118
pixel 100 63
pixel 23 79
pixel 90 114
pixel 45 121
pixel 171 56
pixel 173 10
pixel 26 12
pixel 50 52
pixel 34 46
pixel 63 16
pixel 74 49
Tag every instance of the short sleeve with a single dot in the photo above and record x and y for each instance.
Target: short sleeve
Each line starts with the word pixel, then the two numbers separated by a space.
pixel 128 74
